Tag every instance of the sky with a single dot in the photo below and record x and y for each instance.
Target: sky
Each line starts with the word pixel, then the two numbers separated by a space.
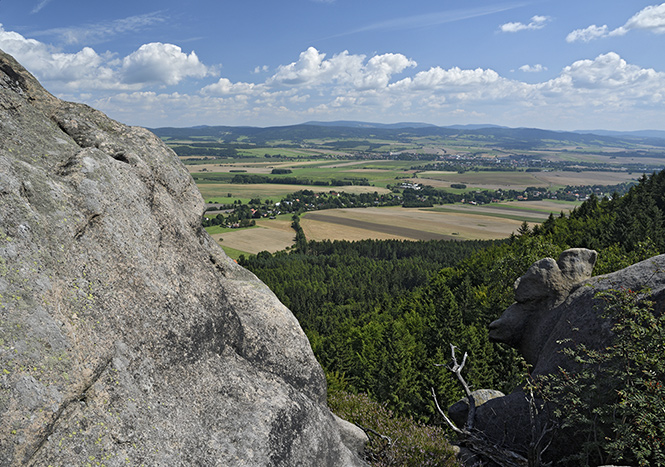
pixel 552 64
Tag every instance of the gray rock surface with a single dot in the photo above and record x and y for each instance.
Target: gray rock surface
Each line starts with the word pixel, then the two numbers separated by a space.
pixel 459 411
pixel 127 337
pixel 558 304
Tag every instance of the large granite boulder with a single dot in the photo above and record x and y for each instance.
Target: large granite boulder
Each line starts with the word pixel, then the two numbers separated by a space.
pixel 127 337
pixel 555 303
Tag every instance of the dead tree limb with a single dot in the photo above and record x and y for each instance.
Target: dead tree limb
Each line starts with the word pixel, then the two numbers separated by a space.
pixel 445 417
pixel 456 368
pixel 471 438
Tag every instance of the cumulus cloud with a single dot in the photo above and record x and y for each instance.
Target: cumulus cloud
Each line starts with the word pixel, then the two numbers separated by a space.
pixel 162 64
pixel 225 87
pixel 49 65
pixel 537 22
pixel 609 72
pixel 151 64
pixel 533 68
pixel 651 18
pixel 313 69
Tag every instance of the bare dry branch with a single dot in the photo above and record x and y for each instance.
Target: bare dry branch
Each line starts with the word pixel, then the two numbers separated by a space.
pixel 445 417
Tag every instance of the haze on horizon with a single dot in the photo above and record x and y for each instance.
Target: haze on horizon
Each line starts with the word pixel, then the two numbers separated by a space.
pixel 560 65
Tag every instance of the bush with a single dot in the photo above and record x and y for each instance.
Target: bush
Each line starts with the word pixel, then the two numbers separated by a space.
pixel 413 444
pixel 616 403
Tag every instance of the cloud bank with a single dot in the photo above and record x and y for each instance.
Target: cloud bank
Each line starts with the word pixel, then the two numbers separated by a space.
pixel 140 88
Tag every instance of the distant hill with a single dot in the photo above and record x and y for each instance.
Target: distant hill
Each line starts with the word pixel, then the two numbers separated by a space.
pixel 489 135
pixel 476 126
pixel 355 124
pixel 623 134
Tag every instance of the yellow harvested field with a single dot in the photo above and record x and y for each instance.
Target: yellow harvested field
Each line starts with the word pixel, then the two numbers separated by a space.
pixel 269 236
pixel 401 223
pixel 447 222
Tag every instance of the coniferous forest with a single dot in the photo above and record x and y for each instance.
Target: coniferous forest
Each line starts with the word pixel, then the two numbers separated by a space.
pixel 381 314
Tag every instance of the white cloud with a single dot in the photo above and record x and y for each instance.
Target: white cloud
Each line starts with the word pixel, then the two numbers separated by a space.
pixel 48 65
pixel 537 22
pixel 533 68
pixel 609 76
pixel 261 69
pixel 312 69
pixel 587 34
pixel 651 18
pixel 152 64
pixel 225 87
pixel 454 78
pixel 161 64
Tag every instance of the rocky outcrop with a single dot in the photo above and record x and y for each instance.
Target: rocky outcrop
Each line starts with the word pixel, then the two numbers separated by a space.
pixel 555 303
pixel 127 337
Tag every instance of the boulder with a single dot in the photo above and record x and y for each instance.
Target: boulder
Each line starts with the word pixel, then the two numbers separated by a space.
pixel 459 411
pixel 557 304
pixel 127 336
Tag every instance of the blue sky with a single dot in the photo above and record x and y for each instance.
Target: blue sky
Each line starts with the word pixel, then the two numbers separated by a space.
pixel 555 64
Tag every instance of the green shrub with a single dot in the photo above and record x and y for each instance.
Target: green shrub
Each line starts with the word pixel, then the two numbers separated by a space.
pixel 616 403
pixel 413 444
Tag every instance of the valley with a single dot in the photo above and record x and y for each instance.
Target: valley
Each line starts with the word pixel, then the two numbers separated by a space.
pixel 415 183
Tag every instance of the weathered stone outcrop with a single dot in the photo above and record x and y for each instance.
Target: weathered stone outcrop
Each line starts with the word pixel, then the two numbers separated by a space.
pixel 555 303
pixel 127 337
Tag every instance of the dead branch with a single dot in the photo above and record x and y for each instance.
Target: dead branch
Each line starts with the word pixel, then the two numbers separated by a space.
pixel 376 433
pixel 471 438
pixel 445 417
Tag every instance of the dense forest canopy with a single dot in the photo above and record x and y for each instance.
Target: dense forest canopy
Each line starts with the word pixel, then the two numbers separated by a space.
pixel 379 315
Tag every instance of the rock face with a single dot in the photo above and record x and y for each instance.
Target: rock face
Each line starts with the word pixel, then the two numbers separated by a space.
pixel 127 337
pixel 555 301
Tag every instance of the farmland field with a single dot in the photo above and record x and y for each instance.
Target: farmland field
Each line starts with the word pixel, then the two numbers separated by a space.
pixel 521 180
pixel 461 222
pixel 455 221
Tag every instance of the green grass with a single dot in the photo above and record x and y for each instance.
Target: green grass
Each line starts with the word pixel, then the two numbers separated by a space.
pixel 217 229
pixel 233 253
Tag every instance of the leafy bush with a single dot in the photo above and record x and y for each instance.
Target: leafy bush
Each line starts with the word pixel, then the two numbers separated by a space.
pixel 615 404
pixel 413 444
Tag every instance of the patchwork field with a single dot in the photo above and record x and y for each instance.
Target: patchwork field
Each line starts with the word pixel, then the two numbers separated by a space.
pixel 413 224
pixel 446 222
pixel 522 180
